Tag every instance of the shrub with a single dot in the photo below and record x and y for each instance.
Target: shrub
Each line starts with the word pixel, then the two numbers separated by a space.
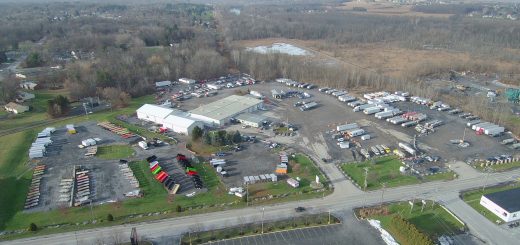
pixel 33 227
pixel 110 217
pixel 179 208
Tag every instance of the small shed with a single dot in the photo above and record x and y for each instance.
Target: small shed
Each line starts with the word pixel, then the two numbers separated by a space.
pixel 252 120
pixel 16 108
pixel 162 84
pixel 292 182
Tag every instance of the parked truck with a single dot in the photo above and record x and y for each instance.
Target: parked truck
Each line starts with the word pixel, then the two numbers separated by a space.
pixel 362 107
pixel 494 131
pixel 143 145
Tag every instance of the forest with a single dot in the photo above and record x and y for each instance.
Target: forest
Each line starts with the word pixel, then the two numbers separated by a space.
pixel 122 47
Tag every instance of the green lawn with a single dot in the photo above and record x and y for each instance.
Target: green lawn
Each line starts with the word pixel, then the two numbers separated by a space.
pixel 299 167
pixel 472 198
pixel 432 221
pixel 441 176
pixel 115 152
pixel 385 170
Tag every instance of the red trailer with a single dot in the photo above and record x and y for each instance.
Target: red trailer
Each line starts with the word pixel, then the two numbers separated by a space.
pixel 191 173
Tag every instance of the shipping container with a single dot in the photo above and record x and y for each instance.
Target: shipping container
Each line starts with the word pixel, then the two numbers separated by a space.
pixel 345 127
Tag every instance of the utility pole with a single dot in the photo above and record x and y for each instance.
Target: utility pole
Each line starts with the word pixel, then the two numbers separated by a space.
pixel 365 187
pixel 488 170
pixel 383 193
pixel 329 216
pixel 263 212
pixel 247 195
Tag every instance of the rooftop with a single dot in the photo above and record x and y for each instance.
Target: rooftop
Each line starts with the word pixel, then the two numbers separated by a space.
pixel 508 200
pixel 255 118
pixel 179 120
pixel 155 110
pixel 226 107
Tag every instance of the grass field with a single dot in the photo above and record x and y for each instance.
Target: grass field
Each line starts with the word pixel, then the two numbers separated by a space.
pixel 385 170
pixel 472 198
pixel 115 152
pixel 299 167
pixel 432 221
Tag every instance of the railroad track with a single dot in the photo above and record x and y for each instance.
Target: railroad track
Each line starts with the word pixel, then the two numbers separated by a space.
pixel 34 125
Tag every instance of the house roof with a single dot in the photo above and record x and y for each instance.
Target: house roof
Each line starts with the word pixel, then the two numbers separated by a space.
pixel 155 110
pixel 16 106
pixel 226 107
pixel 509 200
pixel 179 121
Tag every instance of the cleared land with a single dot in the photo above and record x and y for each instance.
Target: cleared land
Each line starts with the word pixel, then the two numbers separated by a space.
pixel 115 152
pixel 434 221
pixel 472 198
pixel 385 170
pixel 299 167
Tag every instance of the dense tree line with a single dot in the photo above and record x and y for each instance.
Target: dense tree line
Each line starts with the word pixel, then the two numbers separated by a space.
pixel 349 28
pixel 58 106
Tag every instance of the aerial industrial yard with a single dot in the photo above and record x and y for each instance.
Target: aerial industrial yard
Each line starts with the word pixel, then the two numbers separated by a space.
pixel 295 122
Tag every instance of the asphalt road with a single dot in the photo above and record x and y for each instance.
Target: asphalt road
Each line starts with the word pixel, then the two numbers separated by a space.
pixel 446 193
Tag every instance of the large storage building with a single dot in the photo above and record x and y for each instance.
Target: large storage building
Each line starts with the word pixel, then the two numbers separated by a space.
pixel 505 204
pixel 175 120
pixel 220 112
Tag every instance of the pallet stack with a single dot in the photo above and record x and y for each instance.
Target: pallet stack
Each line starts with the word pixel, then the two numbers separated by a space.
pixel 33 197
pixel 123 132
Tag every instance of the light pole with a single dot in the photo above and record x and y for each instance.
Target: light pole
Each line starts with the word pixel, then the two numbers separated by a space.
pixel 383 193
pixel 263 212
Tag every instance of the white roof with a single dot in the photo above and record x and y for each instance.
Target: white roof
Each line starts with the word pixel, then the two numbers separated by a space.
pixel 179 121
pixel 163 83
pixel 226 107
pixel 155 110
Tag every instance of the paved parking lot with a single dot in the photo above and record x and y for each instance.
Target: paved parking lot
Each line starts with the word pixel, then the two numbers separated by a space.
pixel 330 234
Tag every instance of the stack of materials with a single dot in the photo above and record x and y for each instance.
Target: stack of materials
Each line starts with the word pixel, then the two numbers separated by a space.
pixel 33 197
pixel 129 174
pixel 91 151
pixel 82 188
pixel 282 167
pixel 65 188
pixel 123 132
pixel 38 147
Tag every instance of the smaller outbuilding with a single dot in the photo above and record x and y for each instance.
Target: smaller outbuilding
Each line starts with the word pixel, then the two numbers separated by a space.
pixel 292 182
pixel 24 96
pixel 181 124
pixel 163 84
pixel 187 81
pixel 505 204
pixel 16 108
pixel 252 120
pixel 29 85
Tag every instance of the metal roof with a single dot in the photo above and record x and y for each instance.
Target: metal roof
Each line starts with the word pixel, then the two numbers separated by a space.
pixel 155 110
pixel 226 107
pixel 179 121
pixel 254 118
pixel 508 200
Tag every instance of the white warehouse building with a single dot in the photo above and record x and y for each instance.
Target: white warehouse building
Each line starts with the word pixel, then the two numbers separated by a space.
pixel 220 112
pixel 175 120
pixel 505 204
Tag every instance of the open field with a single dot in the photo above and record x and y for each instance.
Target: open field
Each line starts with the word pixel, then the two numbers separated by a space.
pixel 472 198
pixel 385 170
pixel 433 221
pixel 115 152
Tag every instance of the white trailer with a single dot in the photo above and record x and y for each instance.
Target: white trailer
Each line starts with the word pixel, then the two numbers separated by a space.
pixel 494 131
pixel 345 127
pixel 371 110
pixel 362 107
pixel 356 132
pixel 407 148
pixel 384 115
pixel 473 122
pixel 143 145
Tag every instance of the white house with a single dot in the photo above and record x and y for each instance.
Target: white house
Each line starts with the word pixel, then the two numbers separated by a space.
pixel 505 204
pixel 187 81
pixel 29 85
pixel 15 108
pixel 181 124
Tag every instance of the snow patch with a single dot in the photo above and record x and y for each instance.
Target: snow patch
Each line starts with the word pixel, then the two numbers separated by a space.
pixel 384 234
pixel 282 48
